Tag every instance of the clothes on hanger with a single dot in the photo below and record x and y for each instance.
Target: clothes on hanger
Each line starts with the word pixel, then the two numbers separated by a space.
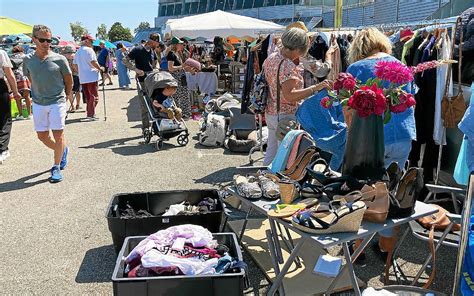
pixel 318 48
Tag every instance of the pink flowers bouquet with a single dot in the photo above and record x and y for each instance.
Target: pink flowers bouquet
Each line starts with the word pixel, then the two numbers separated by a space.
pixel 380 95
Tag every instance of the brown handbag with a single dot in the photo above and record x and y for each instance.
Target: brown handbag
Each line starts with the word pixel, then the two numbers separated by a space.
pixel 453 108
pixel 436 221
pixel 289 190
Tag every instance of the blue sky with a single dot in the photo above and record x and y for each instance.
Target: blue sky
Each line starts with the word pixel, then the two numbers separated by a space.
pixel 57 14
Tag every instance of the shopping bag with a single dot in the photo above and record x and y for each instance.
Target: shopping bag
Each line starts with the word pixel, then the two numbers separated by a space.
pixel 461 171
pixel 14 109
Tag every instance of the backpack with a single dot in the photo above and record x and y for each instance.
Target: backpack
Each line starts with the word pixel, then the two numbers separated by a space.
pixel 213 133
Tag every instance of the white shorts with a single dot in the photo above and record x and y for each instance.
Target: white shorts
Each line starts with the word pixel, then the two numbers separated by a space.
pixel 51 117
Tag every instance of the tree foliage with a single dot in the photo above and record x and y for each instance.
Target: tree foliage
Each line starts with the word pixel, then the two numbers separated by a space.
pixel 102 32
pixel 118 32
pixel 77 30
pixel 141 26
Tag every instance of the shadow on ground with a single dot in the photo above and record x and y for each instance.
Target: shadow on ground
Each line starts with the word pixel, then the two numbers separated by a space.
pixel 23 183
pixel 134 109
pixel 220 178
pixel 97 266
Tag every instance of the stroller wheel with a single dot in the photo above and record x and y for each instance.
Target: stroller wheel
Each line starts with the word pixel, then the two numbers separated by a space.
pixel 183 140
pixel 147 135
pixel 159 145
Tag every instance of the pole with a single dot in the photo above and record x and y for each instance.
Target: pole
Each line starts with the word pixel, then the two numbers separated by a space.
pixel 338 14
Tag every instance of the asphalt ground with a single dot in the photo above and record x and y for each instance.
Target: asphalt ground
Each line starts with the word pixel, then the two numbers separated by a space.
pixel 54 237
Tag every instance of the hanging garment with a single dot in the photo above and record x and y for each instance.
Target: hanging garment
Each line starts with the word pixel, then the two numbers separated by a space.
pixel 407 47
pixel 326 126
pixel 319 48
pixel 336 62
pixel 263 52
pixel 444 52
pixel 343 48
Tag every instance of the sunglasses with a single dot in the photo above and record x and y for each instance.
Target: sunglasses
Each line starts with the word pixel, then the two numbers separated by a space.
pixel 43 40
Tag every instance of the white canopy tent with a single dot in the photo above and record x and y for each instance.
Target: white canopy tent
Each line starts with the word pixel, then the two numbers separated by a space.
pixel 219 23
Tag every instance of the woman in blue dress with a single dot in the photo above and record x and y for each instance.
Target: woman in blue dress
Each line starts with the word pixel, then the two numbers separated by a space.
pixel 124 78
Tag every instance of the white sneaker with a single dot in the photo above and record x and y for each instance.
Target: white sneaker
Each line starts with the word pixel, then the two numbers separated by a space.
pixel 5 154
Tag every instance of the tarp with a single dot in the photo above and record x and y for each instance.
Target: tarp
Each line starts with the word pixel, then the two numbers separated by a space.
pixel 219 23
pixel 9 26
pixel 108 44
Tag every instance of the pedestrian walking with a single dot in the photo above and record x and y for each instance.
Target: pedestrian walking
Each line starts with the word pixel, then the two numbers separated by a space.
pixel 122 71
pixel 22 82
pixel 89 70
pixel 104 61
pixel 51 82
pixel 144 61
pixel 5 103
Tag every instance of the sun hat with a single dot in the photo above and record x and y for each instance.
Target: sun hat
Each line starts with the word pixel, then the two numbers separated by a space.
pixel 302 26
pixel 176 40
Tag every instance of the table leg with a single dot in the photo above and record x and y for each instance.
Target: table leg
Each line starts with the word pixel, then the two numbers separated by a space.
pixel 244 225
pixel 276 240
pixel 278 280
pixel 352 258
pixel 396 268
pixel 350 265
pixel 276 267
pixel 289 244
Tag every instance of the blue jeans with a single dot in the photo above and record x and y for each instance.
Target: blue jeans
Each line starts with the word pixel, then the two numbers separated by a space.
pixel 396 152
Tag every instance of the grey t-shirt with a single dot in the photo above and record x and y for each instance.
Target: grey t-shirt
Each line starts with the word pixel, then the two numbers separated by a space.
pixel 47 84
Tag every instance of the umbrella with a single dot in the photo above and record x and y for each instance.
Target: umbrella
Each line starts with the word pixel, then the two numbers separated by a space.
pixel 12 26
pixel 64 43
pixel 18 38
pixel 124 43
pixel 108 44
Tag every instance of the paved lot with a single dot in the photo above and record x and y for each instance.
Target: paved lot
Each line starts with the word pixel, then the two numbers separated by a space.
pixel 54 237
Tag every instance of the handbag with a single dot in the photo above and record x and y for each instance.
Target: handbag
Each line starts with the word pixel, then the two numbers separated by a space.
pixel 436 221
pixel 289 190
pixel 284 125
pixel 453 108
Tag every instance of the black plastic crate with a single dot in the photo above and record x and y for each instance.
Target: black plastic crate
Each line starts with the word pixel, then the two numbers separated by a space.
pixel 156 203
pixel 227 284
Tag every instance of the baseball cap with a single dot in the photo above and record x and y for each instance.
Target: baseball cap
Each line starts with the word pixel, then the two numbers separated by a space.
pixel 176 40
pixel 87 37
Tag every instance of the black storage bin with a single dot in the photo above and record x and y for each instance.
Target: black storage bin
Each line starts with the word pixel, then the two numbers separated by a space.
pixel 156 203
pixel 227 284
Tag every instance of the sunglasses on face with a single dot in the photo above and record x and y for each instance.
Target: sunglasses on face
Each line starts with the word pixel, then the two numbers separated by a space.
pixel 43 40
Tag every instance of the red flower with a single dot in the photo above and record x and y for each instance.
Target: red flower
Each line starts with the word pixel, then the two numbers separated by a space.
pixel 368 100
pixel 393 71
pixel 344 80
pixel 326 102
pixel 406 101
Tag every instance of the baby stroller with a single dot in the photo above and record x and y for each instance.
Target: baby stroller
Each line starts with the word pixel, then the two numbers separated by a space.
pixel 161 126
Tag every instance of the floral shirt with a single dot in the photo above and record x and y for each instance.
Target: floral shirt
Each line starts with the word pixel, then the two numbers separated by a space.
pixel 288 71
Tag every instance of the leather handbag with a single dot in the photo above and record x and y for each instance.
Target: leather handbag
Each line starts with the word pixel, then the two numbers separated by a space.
pixel 453 108
pixel 436 221
pixel 297 171
pixel 284 125
pixel 289 190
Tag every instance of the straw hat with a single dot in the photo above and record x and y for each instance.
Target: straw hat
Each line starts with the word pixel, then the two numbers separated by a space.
pixel 302 26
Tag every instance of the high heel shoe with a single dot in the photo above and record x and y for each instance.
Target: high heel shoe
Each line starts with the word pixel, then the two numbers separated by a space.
pixel 346 218
pixel 403 202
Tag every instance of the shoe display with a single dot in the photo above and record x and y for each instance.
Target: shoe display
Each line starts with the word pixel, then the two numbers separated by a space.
pixel 63 163
pixel 247 187
pixel 56 175
pixel 270 190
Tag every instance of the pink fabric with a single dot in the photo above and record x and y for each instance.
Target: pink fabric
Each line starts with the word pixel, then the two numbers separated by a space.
pixel 294 151
pixel 195 235
pixel 288 71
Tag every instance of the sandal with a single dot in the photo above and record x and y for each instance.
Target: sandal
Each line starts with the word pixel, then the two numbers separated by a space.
pixel 319 170
pixel 346 218
pixel 270 190
pixel 285 210
pixel 247 189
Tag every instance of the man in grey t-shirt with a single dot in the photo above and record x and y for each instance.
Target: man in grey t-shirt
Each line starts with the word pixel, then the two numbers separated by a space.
pixel 51 83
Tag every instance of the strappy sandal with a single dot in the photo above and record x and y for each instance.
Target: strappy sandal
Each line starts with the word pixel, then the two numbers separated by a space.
pixel 346 218
pixel 285 210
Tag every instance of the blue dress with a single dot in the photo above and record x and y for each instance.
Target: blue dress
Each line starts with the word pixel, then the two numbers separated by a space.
pixel 124 79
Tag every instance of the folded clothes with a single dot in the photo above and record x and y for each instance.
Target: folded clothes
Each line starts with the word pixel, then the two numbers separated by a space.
pixel 131 213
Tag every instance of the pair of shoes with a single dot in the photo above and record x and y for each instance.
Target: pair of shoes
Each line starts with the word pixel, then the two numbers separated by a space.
pixel 56 175
pixel 270 189
pixel 110 83
pixel 247 187
pixel 63 163
pixel 346 218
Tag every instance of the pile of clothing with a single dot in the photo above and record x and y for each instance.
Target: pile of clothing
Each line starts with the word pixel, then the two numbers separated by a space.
pixel 180 250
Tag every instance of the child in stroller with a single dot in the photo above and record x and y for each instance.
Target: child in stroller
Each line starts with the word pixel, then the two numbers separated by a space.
pixel 163 103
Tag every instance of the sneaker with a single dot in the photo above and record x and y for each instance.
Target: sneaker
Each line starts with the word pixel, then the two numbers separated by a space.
pixel 63 163
pixel 56 175
pixel 94 118
pixel 6 154
pixel 1 159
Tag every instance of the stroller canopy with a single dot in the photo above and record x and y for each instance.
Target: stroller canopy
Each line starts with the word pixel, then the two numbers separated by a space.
pixel 159 79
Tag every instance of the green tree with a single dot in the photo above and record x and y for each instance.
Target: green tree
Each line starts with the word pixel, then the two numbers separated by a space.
pixel 77 30
pixel 102 32
pixel 118 32
pixel 141 26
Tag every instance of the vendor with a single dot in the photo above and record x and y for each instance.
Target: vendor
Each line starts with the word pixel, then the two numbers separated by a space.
pixel 294 44
pixel 176 57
